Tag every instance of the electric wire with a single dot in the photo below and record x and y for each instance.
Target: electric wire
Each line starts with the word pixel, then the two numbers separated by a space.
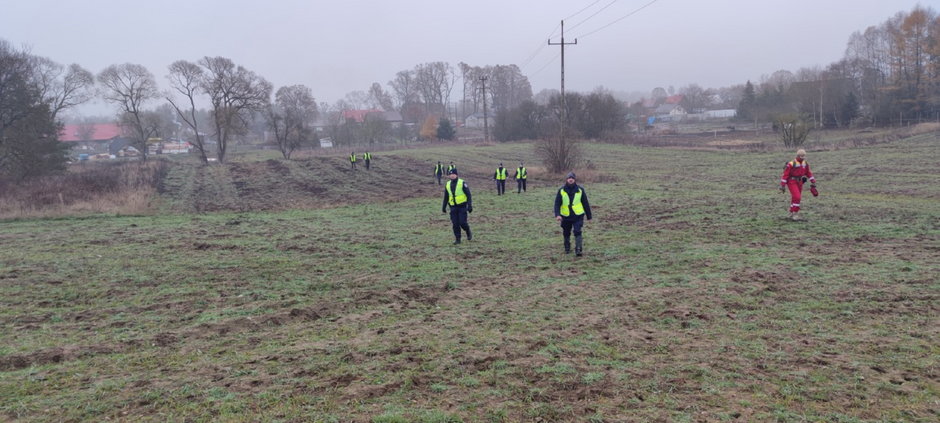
pixel 592 15
pixel 619 19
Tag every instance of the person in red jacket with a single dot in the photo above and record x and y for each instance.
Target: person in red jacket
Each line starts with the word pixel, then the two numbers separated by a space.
pixel 794 175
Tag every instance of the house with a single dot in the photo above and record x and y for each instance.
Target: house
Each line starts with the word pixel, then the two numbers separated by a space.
pixel 476 121
pixel 91 138
pixel 669 111
pixel 360 116
pixel 721 114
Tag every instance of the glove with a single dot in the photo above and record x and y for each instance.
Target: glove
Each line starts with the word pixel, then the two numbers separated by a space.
pixel 469 209
pixel 782 189
pixel 444 211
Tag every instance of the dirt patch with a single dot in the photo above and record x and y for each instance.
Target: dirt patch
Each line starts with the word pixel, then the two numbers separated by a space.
pixel 55 355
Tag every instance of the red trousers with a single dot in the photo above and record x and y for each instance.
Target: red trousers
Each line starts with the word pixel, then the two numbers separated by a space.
pixel 796 191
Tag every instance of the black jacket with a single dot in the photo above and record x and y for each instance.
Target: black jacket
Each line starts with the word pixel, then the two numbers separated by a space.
pixel 466 190
pixel 571 190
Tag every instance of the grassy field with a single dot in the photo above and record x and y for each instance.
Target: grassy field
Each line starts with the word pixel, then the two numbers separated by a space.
pixel 267 290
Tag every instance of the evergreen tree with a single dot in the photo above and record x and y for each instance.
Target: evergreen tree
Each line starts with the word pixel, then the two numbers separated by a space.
pixel 445 131
pixel 748 101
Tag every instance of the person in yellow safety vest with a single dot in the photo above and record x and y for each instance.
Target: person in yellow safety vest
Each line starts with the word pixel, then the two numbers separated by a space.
pixel 457 196
pixel 368 158
pixel 571 207
pixel 500 178
pixel 450 167
pixel 352 160
pixel 521 176
pixel 439 172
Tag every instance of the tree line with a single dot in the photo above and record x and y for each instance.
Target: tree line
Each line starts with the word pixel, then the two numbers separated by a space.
pixel 890 74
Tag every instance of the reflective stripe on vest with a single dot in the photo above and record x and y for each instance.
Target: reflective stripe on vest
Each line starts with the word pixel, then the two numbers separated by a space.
pixel 460 197
pixel 795 164
pixel 576 206
pixel 352 158
pixel 367 156
pixel 520 173
pixel 501 174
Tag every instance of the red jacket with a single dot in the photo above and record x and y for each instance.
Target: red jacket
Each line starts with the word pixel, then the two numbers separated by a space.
pixel 796 170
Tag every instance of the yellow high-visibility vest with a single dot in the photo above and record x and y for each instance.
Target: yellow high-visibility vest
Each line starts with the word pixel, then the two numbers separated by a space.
pixel 456 198
pixel 367 156
pixel 352 158
pixel 575 205
pixel 520 173
pixel 501 174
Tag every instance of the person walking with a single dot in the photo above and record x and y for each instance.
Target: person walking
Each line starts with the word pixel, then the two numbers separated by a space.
pixel 450 167
pixel 368 159
pixel 500 178
pixel 352 160
pixel 571 207
pixel 439 172
pixel 520 178
pixel 795 174
pixel 457 196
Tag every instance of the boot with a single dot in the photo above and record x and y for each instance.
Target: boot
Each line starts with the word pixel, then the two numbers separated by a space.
pixel 457 241
pixel 567 246
pixel 577 245
pixel 469 235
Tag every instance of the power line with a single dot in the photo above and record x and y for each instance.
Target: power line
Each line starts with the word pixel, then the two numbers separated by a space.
pixel 592 15
pixel 579 12
pixel 539 49
pixel 545 65
pixel 620 19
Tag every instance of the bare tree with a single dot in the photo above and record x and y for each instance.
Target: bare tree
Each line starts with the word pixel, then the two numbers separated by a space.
pixel 379 98
pixel 695 98
pixel 234 93
pixel 404 88
pixel 188 78
pixel 130 86
pixel 291 118
pixel 62 88
pixel 434 82
pixel 357 99
pixel 559 154
pixel 508 87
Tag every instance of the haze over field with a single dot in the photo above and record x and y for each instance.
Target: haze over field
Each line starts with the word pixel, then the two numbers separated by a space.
pixel 339 47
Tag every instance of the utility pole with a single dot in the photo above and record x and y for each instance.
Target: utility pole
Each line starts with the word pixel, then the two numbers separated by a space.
pixel 564 104
pixel 486 120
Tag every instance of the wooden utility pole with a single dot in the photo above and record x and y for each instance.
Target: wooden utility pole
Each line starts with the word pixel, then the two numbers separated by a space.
pixel 564 104
pixel 486 120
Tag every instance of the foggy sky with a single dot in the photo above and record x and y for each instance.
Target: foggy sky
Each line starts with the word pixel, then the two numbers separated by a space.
pixel 335 47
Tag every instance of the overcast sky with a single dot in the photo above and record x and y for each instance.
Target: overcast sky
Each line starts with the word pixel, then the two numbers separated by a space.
pixel 339 46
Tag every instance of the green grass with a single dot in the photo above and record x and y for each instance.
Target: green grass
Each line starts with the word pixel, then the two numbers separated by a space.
pixel 695 300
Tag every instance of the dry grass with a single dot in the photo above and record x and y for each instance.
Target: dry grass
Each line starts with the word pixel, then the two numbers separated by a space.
pixel 111 187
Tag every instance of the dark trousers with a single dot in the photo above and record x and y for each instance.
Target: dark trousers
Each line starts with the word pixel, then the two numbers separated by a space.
pixel 352 165
pixel 368 164
pixel 520 185
pixel 458 219
pixel 500 186
pixel 438 178
pixel 572 225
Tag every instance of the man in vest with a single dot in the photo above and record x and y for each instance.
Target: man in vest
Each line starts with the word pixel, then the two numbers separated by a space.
pixel 352 160
pixel 368 158
pixel 457 196
pixel 795 173
pixel 520 178
pixel 571 207
pixel 450 167
pixel 439 172
pixel 500 177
